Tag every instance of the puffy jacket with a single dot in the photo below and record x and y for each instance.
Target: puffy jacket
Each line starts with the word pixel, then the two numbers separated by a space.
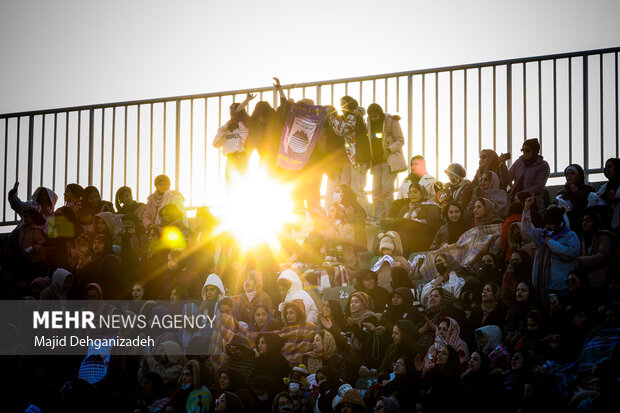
pixel 296 292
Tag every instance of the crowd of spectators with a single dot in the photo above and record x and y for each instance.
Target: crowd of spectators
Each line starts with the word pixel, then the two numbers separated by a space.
pixel 464 296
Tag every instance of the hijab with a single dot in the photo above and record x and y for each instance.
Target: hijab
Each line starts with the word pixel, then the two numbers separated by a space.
pixel 494 337
pixel 489 216
pixel 365 312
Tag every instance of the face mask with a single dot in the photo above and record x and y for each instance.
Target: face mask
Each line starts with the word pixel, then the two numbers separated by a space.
pixel 293 387
pixel 337 196
pixel 441 268
pixel 186 386
pixel 337 222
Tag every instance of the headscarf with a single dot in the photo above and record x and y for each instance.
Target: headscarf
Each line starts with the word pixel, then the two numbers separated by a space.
pixel 489 216
pixel 452 339
pixel 56 291
pixel 455 229
pixel 365 312
pixel 316 359
pixel 494 337
pixel 252 326
pixel 491 165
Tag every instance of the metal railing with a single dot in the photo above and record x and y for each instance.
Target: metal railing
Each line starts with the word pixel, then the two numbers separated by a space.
pixel 569 101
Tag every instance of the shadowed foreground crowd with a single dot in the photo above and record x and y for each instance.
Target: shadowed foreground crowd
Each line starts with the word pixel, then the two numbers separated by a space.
pixel 469 296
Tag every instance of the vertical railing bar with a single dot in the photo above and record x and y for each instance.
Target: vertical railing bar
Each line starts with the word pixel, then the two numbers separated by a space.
pixel 66 147
pixel 191 153
pixel 288 93
pixel 346 88
pixel 164 148
pixel 219 157
pixel 374 91
pixel 524 100
pixel 509 107
pixel 409 116
pixel 451 122
pixel 437 124
pixel 318 95
pixel 397 93
pixel 19 121
pixel 586 154
pixel 113 150
pixel 617 126
pixel 151 148
pixel 424 115
pixel 55 147
pixel 30 153
pixel 261 96
pixel 540 137
pixel 332 95
pixel 6 149
pixel 361 94
pixel 555 116
pixel 386 94
pixel 494 110
pixel 177 145
pixel 138 153
pixel 479 109
pixel 570 110
pixel 125 147
pixel 601 108
pixel 102 147
pixel 77 178
pixel 465 117
pixel 204 182
pixel 42 150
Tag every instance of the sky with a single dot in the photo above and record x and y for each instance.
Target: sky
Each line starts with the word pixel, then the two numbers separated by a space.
pixel 76 52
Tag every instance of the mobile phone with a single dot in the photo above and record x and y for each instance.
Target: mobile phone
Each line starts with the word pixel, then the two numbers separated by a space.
pixel 553 299
pixel 507 155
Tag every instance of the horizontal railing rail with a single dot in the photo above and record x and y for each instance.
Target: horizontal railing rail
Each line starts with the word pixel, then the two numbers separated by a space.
pixel 568 100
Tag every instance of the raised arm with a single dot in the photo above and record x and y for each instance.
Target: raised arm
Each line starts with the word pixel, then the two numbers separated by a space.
pixel 245 102
pixel 278 87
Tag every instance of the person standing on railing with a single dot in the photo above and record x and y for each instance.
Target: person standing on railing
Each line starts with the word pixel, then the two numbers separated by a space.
pixel 231 138
pixel 352 128
pixel 387 140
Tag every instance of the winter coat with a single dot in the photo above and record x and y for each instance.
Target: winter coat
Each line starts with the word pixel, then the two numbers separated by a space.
pixel 563 258
pixel 296 292
pixel 393 139
pixel 231 141
pixel 20 206
pixel 535 177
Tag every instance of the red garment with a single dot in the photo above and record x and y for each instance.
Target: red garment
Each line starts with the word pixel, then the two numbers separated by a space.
pixel 503 239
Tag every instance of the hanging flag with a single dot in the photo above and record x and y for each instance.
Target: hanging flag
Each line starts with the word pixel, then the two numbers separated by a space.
pixel 300 135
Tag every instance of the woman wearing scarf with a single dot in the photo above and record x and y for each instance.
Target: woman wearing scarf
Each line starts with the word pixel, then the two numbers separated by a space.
pixel 440 385
pixel 596 250
pixel 38 285
pixel 406 380
pixel 104 267
pixel 405 343
pixel 91 205
pixel 445 278
pixel 455 225
pixel 489 342
pixel 262 320
pixel 516 318
pixel 491 310
pixel 251 297
pixel 519 270
pixel 484 213
pixel 439 304
pixel 529 173
pixel 459 187
pixel 400 307
pixel 421 220
pixel 490 162
pixel 489 188
pixel 574 195
pixel 59 287
pixel 339 237
pixel 447 333
pixel 324 353
pixel 360 324
pixel 297 333
pixel 558 249
pixel 332 319
pixel 271 362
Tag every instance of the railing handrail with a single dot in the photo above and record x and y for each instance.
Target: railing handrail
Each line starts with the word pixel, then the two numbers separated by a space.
pixel 316 83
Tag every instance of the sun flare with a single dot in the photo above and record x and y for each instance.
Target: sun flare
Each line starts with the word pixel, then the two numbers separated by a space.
pixel 255 207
